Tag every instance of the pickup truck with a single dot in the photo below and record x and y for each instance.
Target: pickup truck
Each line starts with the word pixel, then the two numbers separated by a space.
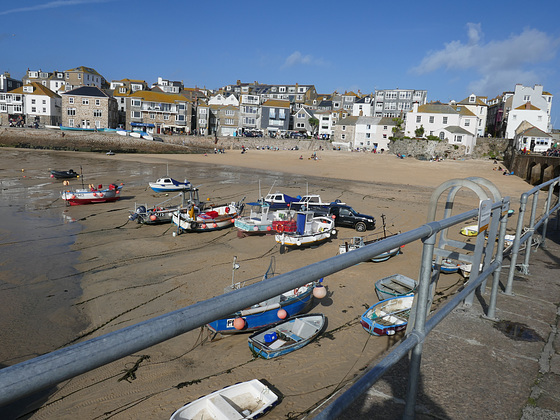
pixel 346 216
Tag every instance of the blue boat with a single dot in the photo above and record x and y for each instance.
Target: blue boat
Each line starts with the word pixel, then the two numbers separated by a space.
pixel 286 336
pixel 388 316
pixel 447 266
pixel 266 313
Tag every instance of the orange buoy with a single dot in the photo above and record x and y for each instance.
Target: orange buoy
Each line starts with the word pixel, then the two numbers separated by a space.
pixel 282 314
pixel 239 323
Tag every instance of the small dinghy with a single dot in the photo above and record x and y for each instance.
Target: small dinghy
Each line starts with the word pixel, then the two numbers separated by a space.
pixel 69 174
pixel 388 316
pixel 168 184
pixel 92 195
pixel 286 336
pixel 470 230
pixel 245 400
pixel 448 266
pixel 394 286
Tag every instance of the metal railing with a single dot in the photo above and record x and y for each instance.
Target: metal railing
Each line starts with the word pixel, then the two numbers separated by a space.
pixel 50 369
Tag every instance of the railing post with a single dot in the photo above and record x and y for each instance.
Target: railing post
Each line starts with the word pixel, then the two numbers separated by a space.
pixel 516 243
pixel 546 210
pixel 499 257
pixel 531 233
pixel 419 324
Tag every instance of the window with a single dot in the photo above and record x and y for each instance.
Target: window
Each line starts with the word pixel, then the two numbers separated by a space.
pixel 85 101
pixel 33 109
pixel 229 121
pixel 445 120
pixel 97 113
pixel 152 116
pixel 230 112
pixel 431 119
pixel 71 123
pixel 368 135
pixel 97 102
pixel 44 101
pixel 343 137
pixel 71 100
pixel 368 126
pixel 135 102
pixel 384 136
pixel 459 139
pixel 202 111
pixel 272 113
pixel 71 111
pixel 122 89
pixel 166 117
pixel 79 76
pixel 418 118
pixel 180 117
pixel 282 114
pixel 135 114
pixel 527 98
pixel 33 101
pixel 467 123
pixel 44 110
pixel 343 128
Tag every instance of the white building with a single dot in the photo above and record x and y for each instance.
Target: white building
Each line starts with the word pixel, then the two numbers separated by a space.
pixel 479 107
pixel 454 123
pixel 529 104
pixel 532 139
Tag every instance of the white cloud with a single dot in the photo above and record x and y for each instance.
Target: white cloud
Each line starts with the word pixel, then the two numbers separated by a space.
pixel 51 5
pixel 297 58
pixel 499 64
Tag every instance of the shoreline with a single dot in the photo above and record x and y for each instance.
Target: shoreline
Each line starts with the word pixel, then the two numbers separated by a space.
pixel 132 272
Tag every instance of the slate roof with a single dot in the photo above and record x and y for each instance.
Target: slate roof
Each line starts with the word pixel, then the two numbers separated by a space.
pixel 437 108
pixel 87 91
pixel 455 129
pixel 351 120
pixel 535 132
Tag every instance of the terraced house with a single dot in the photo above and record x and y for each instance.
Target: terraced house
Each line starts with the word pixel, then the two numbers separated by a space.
pixel 158 112
pixel 89 107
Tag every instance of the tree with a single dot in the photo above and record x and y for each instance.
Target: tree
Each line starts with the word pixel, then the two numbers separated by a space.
pixel 314 123
pixel 397 129
pixel 419 132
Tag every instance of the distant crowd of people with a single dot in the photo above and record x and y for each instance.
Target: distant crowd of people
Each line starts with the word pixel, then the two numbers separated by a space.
pixel 554 152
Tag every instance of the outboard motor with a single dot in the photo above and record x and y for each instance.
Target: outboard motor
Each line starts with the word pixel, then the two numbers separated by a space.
pixel 139 210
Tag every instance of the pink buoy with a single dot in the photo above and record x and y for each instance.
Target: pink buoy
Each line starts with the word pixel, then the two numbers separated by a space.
pixel 238 323
pixel 214 225
pixel 255 228
pixel 153 218
pixel 52 176
pixel 319 292
pixel 268 228
pixel 203 226
pixel 282 314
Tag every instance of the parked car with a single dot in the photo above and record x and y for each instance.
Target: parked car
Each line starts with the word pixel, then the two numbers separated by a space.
pixel 297 135
pixel 346 216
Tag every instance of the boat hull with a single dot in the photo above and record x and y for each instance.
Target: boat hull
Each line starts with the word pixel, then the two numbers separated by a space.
pixel 219 217
pixel 316 231
pixel 245 400
pixel 266 316
pixel 80 197
pixel 388 316
pixel 288 335
pixel 394 286
pixel 64 174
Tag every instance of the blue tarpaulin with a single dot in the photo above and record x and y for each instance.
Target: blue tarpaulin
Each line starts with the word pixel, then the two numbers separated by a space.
pixel 135 124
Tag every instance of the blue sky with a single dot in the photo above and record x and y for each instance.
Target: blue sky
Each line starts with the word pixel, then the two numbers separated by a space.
pixel 451 49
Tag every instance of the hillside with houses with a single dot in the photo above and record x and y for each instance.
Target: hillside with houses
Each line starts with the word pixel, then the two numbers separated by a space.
pixel 81 99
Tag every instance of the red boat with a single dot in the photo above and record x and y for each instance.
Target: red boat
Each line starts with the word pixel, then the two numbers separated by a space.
pixel 92 195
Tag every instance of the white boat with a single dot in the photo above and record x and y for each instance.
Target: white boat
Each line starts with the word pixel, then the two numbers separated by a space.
pixel 147 136
pixel 465 270
pixel 388 316
pixel 245 400
pixel 312 200
pixel 135 134
pixel 309 230
pixel 195 219
pixel 122 132
pixel 168 184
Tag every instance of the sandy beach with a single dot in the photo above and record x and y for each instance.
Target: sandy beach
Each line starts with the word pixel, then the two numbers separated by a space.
pixel 130 273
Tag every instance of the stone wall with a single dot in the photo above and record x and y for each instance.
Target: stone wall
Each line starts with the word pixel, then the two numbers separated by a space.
pixel 422 148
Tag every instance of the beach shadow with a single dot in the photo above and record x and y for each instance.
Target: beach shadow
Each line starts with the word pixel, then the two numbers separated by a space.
pixel 386 399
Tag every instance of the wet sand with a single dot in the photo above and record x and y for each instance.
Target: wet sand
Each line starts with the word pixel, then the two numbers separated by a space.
pixel 130 273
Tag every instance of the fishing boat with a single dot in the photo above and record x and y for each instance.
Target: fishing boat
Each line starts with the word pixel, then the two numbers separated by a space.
pixel 268 312
pixel 193 218
pixel 163 212
pixel 245 400
pixel 168 184
pixel 260 219
pixel 465 270
pixel 309 230
pixel 359 242
pixel 65 128
pixel 69 174
pixel 469 230
pixel 388 316
pixel 447 266
pixel 92 195
pixel 280 200
pixel 312 201
pixel 394 286
pixel 286 336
